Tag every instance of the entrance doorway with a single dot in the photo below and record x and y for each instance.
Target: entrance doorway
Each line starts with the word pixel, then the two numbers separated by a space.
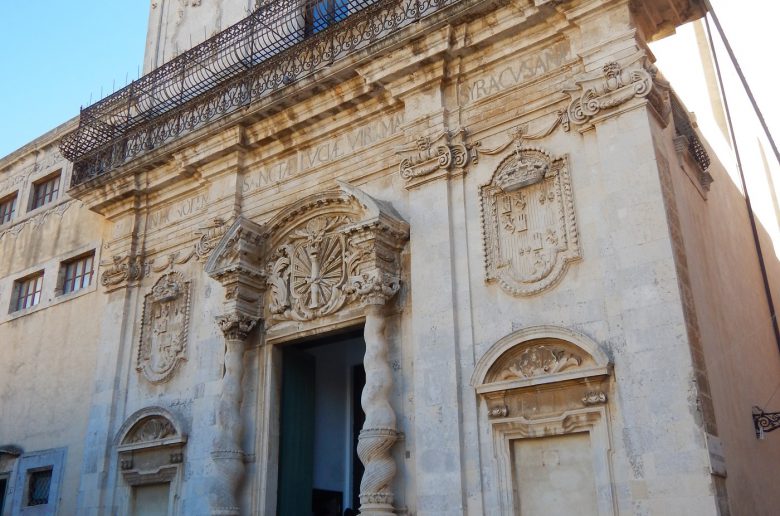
pixel 321 418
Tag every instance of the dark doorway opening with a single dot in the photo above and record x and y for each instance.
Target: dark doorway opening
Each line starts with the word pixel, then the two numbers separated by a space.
pixel 320 421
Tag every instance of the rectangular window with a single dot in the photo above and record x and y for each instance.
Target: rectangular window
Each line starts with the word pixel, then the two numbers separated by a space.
pixel 7 208
pixel 38 487
pixel 27 291
pixel 45 191
pixel 325 13
pixel 77 273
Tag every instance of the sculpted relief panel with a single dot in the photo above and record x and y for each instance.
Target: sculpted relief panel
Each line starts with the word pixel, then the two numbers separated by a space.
pixel 529 227
pixel 164 327
pixel 331 253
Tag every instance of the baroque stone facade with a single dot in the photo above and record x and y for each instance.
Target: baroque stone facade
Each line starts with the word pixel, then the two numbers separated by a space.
pixel 439 273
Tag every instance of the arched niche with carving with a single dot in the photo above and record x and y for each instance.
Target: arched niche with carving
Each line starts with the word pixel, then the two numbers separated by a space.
pixel 544 395
pixel 150 445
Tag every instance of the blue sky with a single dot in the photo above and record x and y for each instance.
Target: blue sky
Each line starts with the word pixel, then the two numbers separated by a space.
pixel 57 55
pixel 54 53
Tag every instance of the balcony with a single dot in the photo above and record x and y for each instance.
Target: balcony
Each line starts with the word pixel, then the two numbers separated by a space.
pixel 281 42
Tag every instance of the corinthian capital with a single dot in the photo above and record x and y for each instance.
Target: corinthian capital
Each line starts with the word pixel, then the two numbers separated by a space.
pixel 374 288
pixel 236 326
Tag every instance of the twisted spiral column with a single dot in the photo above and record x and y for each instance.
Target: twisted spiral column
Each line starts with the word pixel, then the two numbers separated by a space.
pixel 379 430
pixel 226 453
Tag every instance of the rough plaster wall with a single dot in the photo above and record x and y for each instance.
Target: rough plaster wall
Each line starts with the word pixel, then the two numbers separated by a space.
pixel 742 358
pixel 50 353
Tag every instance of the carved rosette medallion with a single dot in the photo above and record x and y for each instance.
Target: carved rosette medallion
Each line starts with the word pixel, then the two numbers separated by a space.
pixel 334 252
pixel 308 272
pixel 164 328
pixel 529 226
pixel 613 85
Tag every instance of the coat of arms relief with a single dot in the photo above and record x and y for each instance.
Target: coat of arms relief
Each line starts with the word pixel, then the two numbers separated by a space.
pixel 307 273
pixel 164 327
pixel 528 219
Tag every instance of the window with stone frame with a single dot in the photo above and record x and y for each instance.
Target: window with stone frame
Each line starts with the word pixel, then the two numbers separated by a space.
pixel 76 273
pixel 38 486
pixel 27 292
pixel 7 208
pixel 45 191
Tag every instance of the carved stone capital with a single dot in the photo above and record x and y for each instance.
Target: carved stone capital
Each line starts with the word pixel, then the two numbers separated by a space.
pixel 236 326
pixel 374 288
pixel 430 157
pixel 236 262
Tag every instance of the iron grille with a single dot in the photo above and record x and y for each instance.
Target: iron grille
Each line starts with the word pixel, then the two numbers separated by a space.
pixel 40 483
pixel 684 127
pixel 281 42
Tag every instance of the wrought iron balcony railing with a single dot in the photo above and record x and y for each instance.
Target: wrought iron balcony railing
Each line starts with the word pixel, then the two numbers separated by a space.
pixel 281 42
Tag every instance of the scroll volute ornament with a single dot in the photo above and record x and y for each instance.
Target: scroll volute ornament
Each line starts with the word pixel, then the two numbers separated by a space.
pixel 617 82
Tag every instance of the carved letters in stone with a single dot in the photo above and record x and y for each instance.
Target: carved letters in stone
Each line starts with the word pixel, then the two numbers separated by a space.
pixel 615 84
pixel 164 327
pixel 529 226
pixel 539 361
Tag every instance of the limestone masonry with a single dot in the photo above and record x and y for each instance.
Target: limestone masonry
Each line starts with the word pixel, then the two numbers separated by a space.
pixel 432 257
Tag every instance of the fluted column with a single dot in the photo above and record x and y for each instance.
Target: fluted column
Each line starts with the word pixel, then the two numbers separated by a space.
pixel 227 454
pixel 379 431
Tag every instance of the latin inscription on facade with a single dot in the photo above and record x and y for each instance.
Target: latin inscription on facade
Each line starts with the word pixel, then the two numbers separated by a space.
pixel 177 211
pixel 330 150
pixel 520 70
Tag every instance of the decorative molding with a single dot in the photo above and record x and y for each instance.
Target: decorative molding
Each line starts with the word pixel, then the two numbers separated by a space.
pixel 428 158
pixel 528 222
pixel 164 328
pixel 123 269
pixel 537 361
pixel 137 419
pixel 594 398
pixel 154 428
pixel 496 412
pixel 37 220
pixel 210 235
pixel 593 361
pixel 337 249
pixel 615 84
